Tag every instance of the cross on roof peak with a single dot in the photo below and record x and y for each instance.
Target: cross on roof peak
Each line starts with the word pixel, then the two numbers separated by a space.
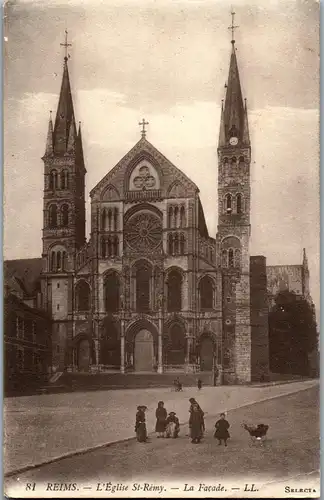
pixel 143 123
pixel 66 45
pixel 233 27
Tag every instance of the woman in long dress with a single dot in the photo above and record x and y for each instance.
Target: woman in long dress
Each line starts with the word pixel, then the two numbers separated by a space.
pixel 140 425
pixel 161 416
pixel 196 424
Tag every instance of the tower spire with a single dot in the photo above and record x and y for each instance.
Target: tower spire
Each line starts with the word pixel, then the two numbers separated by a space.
pixel 65 112
pixel 49 140
pixel 234 123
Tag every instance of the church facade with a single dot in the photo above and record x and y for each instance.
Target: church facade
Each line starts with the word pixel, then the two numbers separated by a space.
pixel 151 290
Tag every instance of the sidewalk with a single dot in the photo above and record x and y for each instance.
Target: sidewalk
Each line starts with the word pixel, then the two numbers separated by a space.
pixel 41 428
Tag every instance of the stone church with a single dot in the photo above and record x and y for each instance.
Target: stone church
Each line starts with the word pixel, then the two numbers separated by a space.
pixel 151 290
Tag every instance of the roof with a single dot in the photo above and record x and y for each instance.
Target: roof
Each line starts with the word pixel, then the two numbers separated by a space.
pixel 25 273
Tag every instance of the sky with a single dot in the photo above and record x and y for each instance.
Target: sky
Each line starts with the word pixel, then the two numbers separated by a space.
pixel 167 61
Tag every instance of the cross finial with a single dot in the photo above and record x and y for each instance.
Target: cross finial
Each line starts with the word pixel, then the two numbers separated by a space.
pixel 233 27
pixel 66 45
pixel 143 123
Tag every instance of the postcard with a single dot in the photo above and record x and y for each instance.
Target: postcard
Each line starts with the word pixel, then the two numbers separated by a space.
pixel 161 249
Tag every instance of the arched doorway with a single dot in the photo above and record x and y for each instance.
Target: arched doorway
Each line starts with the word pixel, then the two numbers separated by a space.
pixel 110 344
pixel 144 351
pixel 83 355
pixel 206 354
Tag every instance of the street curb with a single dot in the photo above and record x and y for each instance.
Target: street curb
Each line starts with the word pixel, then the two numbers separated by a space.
pixel 111 443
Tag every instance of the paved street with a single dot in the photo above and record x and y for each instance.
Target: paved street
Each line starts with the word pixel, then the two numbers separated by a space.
pixel 44 427
pixel 291 449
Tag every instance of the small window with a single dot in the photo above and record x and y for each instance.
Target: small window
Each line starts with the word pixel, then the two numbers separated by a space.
pixel 58 307
pixel 228 203
pixel 239 203
pixel 58 285
pixel 231 258
pixel 57 348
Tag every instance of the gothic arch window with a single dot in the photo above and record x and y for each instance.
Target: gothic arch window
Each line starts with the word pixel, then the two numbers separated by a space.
pixel 239 204
pixel 230 257
pixel 176 215
pixel 233 160
pixel 64 179
pixel 65 215
pixel 182 244
pixel 109 219
pixel 52 216
pixel 224 258
pixel 143 277
pixel 177 345
pixel 228 203
pixel 58 261
pixel 115 219
pixel 182 217
pixel 237 258
pixel 241 159
pixel 104 219
pixel 225 161
pixel 103 248
pixel 174 286
pixel 109 247
pixel 170 216
pixel 111 292
pixel 206 293
pixel 53 261
pixel 53 184
pixel 116 246
pixel 82 296
pixel 170 243
pixel 176 244
pixel 64 261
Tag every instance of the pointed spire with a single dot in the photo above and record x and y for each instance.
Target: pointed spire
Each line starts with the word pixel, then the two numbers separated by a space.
pixel 49 140
pixel 64 115
pixel 235 121
pixel 80 147
pixel 222 138
pixel 246 133
pixel 305 260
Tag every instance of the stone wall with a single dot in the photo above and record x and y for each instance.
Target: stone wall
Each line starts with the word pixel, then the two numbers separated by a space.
pixel 259 319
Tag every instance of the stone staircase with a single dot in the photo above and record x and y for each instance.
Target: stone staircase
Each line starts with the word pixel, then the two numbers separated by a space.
pixel 70 382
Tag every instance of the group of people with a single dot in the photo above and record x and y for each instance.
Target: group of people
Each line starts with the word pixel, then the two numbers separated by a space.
pixel 168 425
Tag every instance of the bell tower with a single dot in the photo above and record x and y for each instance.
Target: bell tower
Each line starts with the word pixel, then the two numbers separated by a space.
pixel 233 236
pixel 63 211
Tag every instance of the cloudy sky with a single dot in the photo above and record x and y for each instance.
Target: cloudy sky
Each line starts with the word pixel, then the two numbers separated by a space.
pixel 167 60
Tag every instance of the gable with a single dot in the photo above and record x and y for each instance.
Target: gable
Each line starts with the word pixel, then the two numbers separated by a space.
pixel 143 171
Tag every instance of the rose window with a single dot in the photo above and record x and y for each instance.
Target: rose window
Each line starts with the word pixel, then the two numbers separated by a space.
pixel 144 231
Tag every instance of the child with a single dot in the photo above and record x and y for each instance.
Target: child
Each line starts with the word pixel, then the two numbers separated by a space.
pixel 172 425
pixel 199 384
pixel 161 415
pixel 221 432
pixel 196 424
pixel 140 425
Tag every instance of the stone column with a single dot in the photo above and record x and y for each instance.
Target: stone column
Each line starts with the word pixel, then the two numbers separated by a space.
pixel 96 343
pixel 160 346
pixel 122 347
